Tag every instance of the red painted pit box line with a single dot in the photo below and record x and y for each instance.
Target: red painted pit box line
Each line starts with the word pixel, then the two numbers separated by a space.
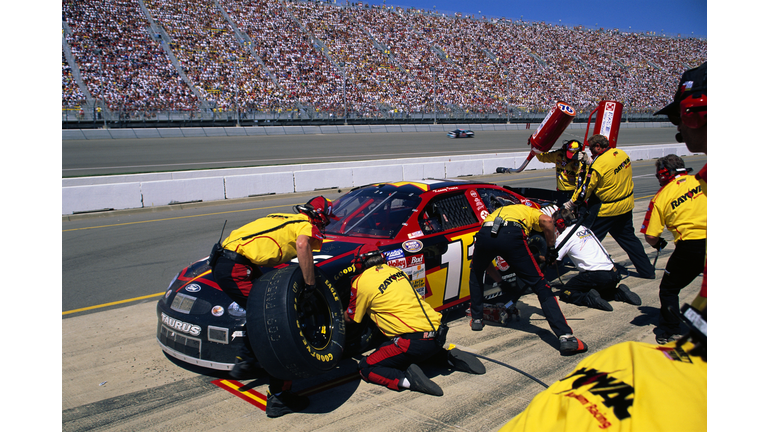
pixel 259 400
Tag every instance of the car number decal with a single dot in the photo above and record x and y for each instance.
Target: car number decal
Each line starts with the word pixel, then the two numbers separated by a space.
pixel 450 281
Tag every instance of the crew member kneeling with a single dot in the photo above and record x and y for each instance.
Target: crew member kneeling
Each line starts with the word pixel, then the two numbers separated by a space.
pixel 598 277
pixel 385 293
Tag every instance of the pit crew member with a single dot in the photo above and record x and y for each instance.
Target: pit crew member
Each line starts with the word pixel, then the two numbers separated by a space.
pixel 628 386
pixel 688 111
pixel 598 277
pixel 610 188
pixel 504 233
pixel 269 241
pixel 569 163
pixel 386 295
pixel 680 206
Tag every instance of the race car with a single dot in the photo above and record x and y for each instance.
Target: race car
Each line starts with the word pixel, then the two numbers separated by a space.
pixel 461 133
pixel 426 228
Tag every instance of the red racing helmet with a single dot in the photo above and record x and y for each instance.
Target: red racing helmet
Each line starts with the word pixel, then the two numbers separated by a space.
pixel 320 211
pixel 572 147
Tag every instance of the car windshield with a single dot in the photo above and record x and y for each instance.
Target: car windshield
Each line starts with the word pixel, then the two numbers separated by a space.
pixel 372 211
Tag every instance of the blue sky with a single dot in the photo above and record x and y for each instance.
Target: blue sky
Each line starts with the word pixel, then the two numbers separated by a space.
pixel 684 17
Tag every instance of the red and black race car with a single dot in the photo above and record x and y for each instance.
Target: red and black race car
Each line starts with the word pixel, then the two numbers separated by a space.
pixel 426 228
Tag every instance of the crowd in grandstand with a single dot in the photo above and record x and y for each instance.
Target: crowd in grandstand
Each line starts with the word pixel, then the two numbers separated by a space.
pixel 153 55
pixel 120 63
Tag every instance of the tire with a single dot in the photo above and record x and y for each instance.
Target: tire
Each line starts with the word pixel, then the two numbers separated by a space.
pixel 295 334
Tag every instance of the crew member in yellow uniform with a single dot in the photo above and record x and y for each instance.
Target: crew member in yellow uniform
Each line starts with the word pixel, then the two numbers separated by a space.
pixel 269 241
pixel 630 386
pixel 386 295
pixel 688 111
pixel 569 164
pixel 681 206
pixel 610 188
pixel 504 233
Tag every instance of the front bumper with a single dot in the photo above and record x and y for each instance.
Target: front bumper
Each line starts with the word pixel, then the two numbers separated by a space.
pixel 213 347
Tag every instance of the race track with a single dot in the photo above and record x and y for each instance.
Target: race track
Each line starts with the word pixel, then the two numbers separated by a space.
pixel 129 156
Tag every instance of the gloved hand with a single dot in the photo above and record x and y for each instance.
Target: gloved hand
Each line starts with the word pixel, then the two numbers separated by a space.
pixel 551 255
pixel 661 244
pixel 584 158
pixel 570 206
pixel 309 288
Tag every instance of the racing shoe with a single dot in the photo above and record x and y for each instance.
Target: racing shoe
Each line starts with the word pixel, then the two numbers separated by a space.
pixel 476 324
pixel 465 362
pixel 285 403
pixel 513 311
pixel 593 300
pixel 664 338
pixel 624 294
pixel 420 383
pixel 243 369
pixel 570 345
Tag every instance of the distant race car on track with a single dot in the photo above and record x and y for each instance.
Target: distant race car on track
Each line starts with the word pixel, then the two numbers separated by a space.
pixel 461 133
pixel 425 228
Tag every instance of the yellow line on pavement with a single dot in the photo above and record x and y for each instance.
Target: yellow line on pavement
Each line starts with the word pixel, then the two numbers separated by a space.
pixel 111 304
pixel 174 218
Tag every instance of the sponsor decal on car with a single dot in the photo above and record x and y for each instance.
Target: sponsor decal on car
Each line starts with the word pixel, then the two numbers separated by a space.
pixel 416 270
pixel 446 189
pixel 415 260
pixel 217 311
pixel 410 261
pixel 343 272
pixel 394 254
pixel 501 264
pixel 415 234
pixel 178 325
pixel 412 246
pixel 399 263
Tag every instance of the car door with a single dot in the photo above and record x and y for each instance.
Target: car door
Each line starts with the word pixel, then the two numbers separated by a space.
pixel 437 254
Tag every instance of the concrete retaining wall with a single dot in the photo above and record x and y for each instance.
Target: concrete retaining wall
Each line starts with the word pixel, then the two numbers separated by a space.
pixel 90 194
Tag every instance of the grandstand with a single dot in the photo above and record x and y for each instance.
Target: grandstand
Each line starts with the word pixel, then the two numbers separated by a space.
pixel 127 61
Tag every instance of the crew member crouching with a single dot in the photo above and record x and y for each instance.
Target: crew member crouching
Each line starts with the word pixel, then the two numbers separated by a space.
pixel 416 335
pixel 598 277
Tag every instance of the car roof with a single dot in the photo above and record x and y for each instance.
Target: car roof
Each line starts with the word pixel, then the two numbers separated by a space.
pixel 426 185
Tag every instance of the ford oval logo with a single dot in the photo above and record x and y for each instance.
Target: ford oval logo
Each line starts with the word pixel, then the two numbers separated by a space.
pixel 193 288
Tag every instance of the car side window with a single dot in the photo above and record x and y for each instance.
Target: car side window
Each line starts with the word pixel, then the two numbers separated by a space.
pixel 444 213
pixel 493 198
